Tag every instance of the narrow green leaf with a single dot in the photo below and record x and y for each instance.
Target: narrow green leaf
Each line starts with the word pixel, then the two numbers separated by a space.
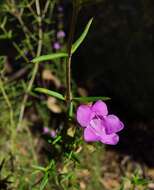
pixel 49 57
pixel 90 99
pixel 50 93
pixel 57 140
pixel 44 181
pixel 40 168
pixel 51 165
pixel 122 186
pixel 82 37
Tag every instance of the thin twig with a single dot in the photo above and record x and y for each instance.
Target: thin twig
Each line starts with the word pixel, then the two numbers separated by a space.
pixel 12 123
pixel 20 52
pixel 18 15
pixel 7 102
pixel 27 33
pixel 29 6
pixel 45 8
pixel 18 74
pixel 38 53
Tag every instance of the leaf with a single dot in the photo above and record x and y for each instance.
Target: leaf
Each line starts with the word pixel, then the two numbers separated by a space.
pixel 90 99
pixel 40 168
pixel 49 57
pixel 50 93
pixel 75 158
pixel 122 186
pixel 2 164
pixel 51 165
pixel 82 37
pixel 44 181
pixel 139 181
pixel 57 140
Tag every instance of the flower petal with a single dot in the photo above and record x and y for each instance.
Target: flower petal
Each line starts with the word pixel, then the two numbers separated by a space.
pixel 112 124
pixel 84 115
pixel 100 108
pixel 90 135
pixel 110 139
pixel 96 125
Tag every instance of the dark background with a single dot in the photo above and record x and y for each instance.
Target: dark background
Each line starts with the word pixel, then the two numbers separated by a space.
pixel 117 60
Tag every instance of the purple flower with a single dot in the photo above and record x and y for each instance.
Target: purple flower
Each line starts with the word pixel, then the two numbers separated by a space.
pixel 53 133
pixel 97 124
pixel 56 46
pixel 46 130
pixel 60 8
pixel 60 34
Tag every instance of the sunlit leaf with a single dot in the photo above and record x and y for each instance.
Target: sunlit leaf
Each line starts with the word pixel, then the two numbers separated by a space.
pixel 57 140
pixel 49 57
pixel 50 93
pixel 40 168
pixel 82 37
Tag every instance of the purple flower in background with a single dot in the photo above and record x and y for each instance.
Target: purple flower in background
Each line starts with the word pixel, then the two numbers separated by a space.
pixel 97 124
pixel 60 34
pixel 53 133
pixel 60 8
pixel 56 46
pixel 46 130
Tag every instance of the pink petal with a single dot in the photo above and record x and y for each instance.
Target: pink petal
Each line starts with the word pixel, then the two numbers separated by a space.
pixel 112 124
pixel 84 115
pixel 94 130
pixel 96 125
pixel 100 108
pixel 110 139
pixel 90 135
pixel 98 131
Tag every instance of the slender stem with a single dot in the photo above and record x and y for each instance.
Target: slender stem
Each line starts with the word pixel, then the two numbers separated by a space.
pixel 7 102
pixel 45 8
pixel 28 34
pixel 12 124
pixel 69 59
pixel 39 49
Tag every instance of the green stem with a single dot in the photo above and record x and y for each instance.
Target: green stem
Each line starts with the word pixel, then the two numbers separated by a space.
pixel 35 69
pixel 69 59
pixel 12 124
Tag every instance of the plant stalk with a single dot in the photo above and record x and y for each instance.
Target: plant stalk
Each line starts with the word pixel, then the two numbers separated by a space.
pixel 69 59
pixel 36 66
